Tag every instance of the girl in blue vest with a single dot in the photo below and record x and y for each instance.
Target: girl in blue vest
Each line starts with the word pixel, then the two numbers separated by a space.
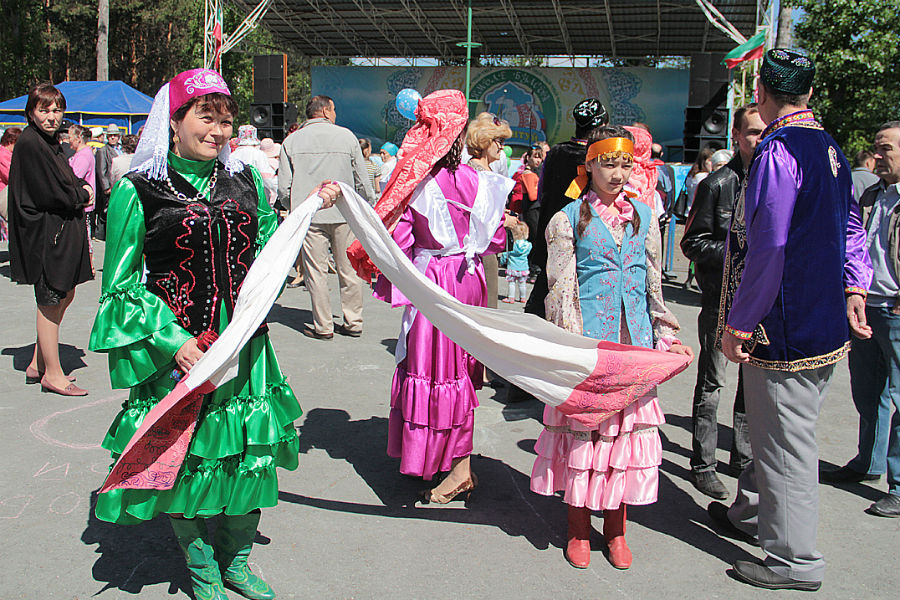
pixel 603 269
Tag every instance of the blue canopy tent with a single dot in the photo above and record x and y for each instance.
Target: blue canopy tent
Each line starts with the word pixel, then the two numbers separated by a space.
pixel 90 103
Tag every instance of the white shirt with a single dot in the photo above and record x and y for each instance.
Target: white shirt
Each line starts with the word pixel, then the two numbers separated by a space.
pixel 253 156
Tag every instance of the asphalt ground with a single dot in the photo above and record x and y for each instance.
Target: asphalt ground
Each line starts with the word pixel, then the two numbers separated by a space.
pixel 347 525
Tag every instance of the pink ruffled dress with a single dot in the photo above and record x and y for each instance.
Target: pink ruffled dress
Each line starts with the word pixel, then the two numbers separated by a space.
pixel 618 461
pixel 433 390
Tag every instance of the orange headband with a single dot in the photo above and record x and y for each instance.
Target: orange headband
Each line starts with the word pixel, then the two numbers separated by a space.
pixel 617 146
pixel 609 146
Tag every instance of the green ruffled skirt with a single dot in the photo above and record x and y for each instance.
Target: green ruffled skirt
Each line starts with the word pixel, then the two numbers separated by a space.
pixel 245 430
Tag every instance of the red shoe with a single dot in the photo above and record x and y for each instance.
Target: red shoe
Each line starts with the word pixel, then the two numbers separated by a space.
pixel 614 532
pixel 69 390
pixel 578 549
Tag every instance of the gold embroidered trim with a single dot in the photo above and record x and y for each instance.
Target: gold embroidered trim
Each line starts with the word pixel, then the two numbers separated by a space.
pixel 583 436
pixel 856 290
pixel 802 364
pixel 803 118
pixel 587 436
pixel 744 335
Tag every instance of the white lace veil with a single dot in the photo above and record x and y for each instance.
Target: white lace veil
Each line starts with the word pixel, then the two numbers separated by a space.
pixel 152 153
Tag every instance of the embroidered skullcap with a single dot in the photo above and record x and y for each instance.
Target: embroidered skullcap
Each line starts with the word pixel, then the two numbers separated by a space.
pixel 787 72
pixel 193 83
pixel 390 147
pixel 590 113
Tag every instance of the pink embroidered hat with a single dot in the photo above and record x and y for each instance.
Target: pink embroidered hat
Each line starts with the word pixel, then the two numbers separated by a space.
pixel 151 155
pixel 193 83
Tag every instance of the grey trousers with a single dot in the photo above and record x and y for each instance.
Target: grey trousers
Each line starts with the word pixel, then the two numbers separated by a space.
pixel 315 269
pixel 778 496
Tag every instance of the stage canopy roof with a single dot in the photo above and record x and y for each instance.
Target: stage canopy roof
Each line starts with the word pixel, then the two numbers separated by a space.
pixel 426 28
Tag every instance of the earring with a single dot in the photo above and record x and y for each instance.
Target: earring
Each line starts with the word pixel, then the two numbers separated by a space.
pixel 175 138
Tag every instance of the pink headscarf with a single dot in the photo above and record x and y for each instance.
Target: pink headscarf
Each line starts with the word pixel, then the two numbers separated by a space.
pixel 193 83
pixel 440 118
pixel 644 176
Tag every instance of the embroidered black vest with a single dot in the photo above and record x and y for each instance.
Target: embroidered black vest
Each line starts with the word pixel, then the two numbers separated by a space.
pixel 197 252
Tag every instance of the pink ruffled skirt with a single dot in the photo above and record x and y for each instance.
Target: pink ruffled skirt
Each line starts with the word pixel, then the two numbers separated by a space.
pixel 618 463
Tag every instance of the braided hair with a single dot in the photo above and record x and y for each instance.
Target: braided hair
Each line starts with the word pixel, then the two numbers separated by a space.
pixel 584 213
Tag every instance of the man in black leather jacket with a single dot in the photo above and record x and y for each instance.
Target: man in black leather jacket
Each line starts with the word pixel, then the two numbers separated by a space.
pixel 704 243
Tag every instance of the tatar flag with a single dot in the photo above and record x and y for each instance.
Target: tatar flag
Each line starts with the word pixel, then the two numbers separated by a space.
pixel 749 50
pixel 218 26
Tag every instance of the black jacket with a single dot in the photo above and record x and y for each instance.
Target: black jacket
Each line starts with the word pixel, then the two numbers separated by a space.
pixel 47 234
pixel 707 227
pixel 560 168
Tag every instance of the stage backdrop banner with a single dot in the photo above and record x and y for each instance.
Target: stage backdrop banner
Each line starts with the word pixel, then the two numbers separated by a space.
pixel 537 102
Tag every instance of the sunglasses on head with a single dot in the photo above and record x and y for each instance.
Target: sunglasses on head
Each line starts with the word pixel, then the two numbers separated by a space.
pixel 496 120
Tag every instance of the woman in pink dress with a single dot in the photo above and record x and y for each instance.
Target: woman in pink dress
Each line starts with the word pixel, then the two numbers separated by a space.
pixel 603 268
pixel 455 215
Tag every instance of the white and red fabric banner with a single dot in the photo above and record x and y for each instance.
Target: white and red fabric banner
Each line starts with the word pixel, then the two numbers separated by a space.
pixel 585 379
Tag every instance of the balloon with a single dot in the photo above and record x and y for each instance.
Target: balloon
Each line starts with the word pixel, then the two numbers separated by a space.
pixel 507 150
pixel 407 101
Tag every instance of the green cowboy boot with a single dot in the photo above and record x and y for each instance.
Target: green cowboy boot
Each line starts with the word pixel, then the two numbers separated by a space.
pixel 234 539
pixel 206 579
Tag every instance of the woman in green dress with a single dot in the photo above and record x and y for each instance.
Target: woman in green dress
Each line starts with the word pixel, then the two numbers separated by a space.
pixel 193 219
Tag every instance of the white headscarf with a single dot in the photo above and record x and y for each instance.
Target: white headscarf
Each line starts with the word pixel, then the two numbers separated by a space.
pixel 152 153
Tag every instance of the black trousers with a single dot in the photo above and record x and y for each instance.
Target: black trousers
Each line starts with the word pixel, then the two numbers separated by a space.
pixel 711 367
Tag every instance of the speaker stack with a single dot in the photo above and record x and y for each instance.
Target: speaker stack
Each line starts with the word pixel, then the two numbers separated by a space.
pixel 270 112
pixel 706 116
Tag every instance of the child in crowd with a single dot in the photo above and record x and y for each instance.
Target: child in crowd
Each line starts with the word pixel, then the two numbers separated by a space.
pixel 603 268
pixel 516 261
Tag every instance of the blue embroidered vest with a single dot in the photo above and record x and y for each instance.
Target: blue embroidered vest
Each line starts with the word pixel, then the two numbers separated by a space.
pixel 610 279
pixel 807 326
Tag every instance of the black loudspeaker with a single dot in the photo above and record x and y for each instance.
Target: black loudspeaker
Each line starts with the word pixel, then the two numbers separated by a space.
pixel 273 120
pixel 706 116
pixel 270 78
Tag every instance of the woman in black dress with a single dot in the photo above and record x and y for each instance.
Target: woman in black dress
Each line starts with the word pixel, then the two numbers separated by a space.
pixel 48 244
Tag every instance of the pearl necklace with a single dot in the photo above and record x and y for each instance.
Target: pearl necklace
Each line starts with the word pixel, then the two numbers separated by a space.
pixel 201 196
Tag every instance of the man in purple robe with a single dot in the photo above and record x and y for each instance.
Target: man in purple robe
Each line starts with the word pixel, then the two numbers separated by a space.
pixel 795 280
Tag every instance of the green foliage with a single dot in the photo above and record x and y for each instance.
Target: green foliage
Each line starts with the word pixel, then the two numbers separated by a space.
pixel 854 44
pixel 20 36
pixel 149 42
pixel 237 66
pixel 56 40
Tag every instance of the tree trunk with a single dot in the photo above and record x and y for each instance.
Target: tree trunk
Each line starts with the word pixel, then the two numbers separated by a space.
pixel 785 26
pixel 103 40
pixel 49 37
pixel 133 62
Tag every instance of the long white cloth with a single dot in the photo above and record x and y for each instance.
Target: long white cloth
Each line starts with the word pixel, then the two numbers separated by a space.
pixel 524 349
pixel 585 379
